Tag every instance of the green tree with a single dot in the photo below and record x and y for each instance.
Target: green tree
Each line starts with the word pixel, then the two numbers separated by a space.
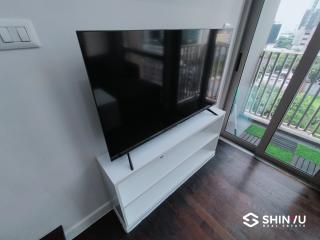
pixel 314 71
pixel 284 42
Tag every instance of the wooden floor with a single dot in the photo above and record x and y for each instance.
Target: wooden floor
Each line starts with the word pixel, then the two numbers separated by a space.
pixel 212 203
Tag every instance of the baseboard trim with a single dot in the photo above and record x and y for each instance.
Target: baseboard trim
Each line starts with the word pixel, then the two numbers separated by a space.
pixel 90 219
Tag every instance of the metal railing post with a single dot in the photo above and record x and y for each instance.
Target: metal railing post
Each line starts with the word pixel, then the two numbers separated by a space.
pixel 274 84
pixel 258 88
pixel 302 100
pixel 282 84
pixel 267 83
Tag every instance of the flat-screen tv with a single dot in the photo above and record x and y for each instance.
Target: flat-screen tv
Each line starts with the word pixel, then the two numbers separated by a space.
pixel 146 81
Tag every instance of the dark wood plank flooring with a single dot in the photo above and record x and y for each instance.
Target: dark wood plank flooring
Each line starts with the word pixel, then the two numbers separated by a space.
pixel 212 203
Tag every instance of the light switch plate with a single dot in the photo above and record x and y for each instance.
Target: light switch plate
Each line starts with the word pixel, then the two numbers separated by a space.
pixel 21 32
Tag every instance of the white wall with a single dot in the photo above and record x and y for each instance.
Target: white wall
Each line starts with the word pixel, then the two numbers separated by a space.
pixel 49 129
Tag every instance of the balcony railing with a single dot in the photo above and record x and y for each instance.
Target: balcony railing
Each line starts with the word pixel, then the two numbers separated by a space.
pixel 273 74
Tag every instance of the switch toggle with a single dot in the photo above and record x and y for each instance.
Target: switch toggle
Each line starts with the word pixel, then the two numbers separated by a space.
pixel 5 35
pixel 22 32
pixel 14 34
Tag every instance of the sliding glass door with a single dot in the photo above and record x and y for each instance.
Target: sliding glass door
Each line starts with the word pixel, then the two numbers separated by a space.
pixel 292 136
pixel 273 105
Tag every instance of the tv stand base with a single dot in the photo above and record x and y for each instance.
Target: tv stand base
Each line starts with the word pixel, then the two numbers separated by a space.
pixel 161 165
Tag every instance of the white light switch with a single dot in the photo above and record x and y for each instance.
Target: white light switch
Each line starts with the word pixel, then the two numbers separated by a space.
pixel 17 33
pixel 5 35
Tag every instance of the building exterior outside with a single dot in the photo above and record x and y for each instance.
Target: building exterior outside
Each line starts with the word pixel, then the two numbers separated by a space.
pixel 307 27
pixel 274 33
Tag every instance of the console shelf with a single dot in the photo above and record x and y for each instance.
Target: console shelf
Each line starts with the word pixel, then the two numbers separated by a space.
pixel 161 165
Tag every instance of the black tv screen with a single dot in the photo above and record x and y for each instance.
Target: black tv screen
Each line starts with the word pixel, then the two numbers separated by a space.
pixel 146 81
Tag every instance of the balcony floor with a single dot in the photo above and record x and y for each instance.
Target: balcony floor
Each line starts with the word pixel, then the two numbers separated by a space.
pixel 284 148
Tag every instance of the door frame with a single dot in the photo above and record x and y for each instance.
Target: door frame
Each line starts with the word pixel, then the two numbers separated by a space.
pixel 250 26
pixel 297 79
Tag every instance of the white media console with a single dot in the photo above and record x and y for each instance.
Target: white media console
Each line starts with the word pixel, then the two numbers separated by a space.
pixel 161 165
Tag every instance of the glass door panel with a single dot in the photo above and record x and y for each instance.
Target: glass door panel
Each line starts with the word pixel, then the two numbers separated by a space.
pixel 296 141
pixel 271 62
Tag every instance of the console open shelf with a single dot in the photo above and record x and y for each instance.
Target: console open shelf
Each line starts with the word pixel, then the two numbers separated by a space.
pixel 161 165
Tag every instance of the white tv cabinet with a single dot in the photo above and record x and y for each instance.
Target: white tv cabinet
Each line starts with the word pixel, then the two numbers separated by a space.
pixel 161 165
